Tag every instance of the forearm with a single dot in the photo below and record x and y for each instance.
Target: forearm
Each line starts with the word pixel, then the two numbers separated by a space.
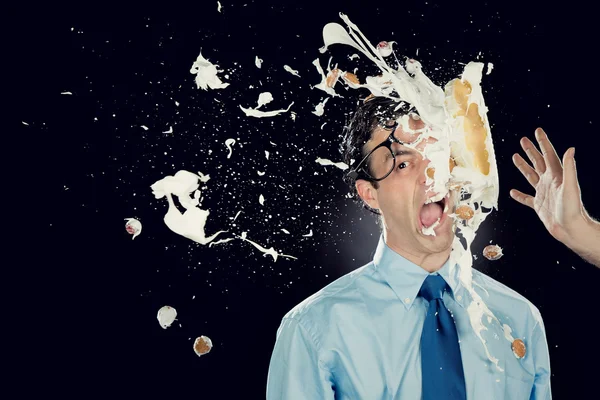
pixel 586 241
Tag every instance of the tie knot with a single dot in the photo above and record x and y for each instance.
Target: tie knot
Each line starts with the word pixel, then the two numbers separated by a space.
pixel 433 287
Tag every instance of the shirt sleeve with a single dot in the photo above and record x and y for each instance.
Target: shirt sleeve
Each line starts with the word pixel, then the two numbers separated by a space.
pixel 541 385
pixel 295 371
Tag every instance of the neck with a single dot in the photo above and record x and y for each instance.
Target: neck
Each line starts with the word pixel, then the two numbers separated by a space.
pixel 429 261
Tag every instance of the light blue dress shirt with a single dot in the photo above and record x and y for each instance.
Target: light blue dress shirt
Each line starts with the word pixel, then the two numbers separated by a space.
pixel 359 338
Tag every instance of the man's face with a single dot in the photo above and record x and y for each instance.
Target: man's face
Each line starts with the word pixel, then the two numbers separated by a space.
pixel 402 195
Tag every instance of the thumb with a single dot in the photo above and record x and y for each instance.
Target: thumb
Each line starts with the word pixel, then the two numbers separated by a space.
pixel 570 181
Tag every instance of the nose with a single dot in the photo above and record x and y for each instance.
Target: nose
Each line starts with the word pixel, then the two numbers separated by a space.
pixel 424 170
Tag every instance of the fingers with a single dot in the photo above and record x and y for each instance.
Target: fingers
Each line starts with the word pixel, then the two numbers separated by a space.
pixel 522 198
pixel 529 173
pixel 570 181
pixel 536 158
pixel 550 156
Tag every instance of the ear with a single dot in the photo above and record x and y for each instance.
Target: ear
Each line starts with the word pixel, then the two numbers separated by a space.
pixel 367 193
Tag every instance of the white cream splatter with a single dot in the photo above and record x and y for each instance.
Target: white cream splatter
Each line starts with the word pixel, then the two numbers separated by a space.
pixel 285 231
pixel 261 200
pixel 170 130
pixel 291 71
pixel 324 161
pixel 264 98
pixel 25 123
pixel 236 215
pixel 385 48
pixel 324 123
pixel 260 173
pixel 203 178
pixel 191 223
pixel 133 227
pixel 251 112
pixel 309 234
pixel 266 154
pixel 354 56
pixel 219 6
pixel 271 251
pixel 220 241
pixel 144 127
pixel 229 143
pixel 166 316
pixel 66 93
pixel 323 84
pixel 206 74
pixel 258 62
pixel 320 108
pixel 490 66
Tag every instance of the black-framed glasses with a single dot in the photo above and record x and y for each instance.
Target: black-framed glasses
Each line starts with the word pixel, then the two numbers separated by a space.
pixel 379 163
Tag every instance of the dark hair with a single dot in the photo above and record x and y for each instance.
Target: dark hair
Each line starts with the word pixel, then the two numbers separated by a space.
pixel 358 132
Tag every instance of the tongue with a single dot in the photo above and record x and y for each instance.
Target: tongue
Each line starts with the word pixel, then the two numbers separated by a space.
pixel 430 213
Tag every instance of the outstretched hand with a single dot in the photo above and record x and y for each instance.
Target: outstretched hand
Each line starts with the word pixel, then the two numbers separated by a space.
pixel 557 200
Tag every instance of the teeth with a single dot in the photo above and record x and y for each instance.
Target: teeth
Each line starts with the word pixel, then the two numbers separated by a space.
pixel 435 198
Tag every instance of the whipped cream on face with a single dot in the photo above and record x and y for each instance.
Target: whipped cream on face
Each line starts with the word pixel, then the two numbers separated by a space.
pixel 458 144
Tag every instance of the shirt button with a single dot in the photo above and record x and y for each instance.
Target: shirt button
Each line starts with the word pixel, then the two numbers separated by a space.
pixel 407 300
pixel 459 297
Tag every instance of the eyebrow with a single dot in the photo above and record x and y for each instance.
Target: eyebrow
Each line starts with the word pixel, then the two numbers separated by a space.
pixel 404 151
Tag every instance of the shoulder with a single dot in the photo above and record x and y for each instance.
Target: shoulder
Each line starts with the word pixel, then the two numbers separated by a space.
pixel 317 305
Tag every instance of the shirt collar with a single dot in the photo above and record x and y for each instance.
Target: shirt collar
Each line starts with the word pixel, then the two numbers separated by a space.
pixel 406 278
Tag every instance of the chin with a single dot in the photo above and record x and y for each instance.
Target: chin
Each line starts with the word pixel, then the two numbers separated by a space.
pixel 442 240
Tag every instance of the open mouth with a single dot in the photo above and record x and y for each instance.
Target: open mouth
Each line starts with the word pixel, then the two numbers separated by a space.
pixel 433 212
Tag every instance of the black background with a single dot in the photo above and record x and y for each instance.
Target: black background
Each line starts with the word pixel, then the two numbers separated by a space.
pixel 90 294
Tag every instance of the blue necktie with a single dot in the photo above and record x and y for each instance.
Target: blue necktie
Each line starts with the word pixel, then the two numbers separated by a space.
pixel 441 363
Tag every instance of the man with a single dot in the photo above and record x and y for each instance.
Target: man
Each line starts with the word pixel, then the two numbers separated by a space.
pixel 399 327
pixel 557 199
